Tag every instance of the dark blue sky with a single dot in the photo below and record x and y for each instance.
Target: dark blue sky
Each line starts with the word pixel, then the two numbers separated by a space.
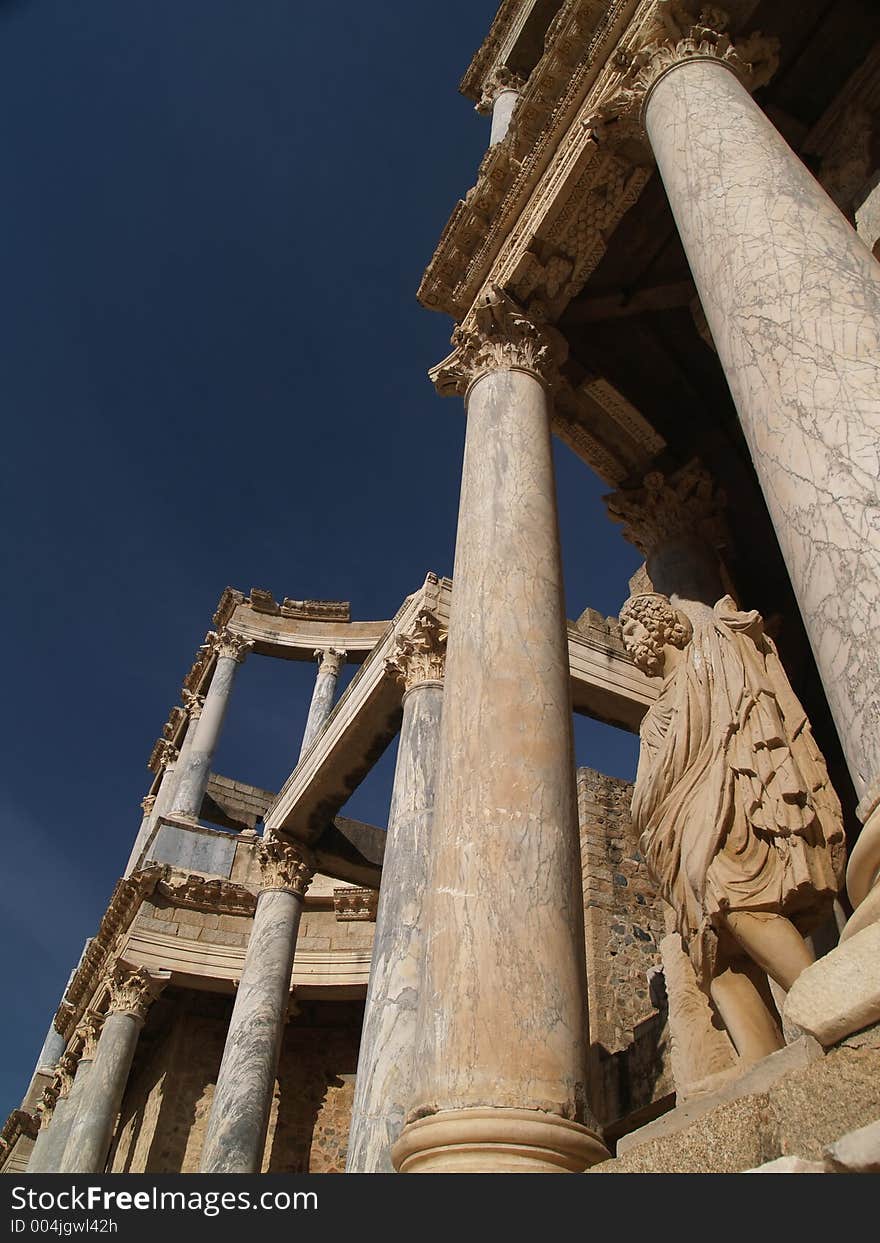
pixel 213 222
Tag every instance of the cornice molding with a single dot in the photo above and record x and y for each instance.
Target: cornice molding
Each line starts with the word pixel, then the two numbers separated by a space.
pixel 195 892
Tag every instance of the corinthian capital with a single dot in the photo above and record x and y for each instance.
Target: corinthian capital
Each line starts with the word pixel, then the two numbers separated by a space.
pixel 684 36
pixel 166 753
pixel 133 990
pixel 330 659
pixel 684 505
pixel 47 1102
pixel 287 866
pixel 193 704
pixel 235 646
pixel 64 1072
pixel 88 1033
pixel 500 79
pixel 499 337
pixel 419 656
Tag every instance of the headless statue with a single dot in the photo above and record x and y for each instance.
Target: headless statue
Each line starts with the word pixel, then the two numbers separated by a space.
pixel 739 824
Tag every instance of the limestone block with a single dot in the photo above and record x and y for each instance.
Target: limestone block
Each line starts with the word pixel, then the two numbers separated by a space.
pixel 856 1153
pixel 840 993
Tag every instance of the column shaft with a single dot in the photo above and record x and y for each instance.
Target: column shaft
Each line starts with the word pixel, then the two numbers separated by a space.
pixel 92 1130
pixel 503 1022
pixel 74 1103
pixel 193 774
pixel 792 297
pixel 386 1065
pixel 322 696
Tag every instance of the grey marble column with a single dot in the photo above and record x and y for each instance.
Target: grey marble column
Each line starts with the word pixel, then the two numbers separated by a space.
pixel 155 805
pixel 792 297
pixel 501 94
pixel 131 992
pixel 192 778
pixel 386 1064
pixel 502 1042
pixel 236 1133
pixel 330 661
pixel 46 1107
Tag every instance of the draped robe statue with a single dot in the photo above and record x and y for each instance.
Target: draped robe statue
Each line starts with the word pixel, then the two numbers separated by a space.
pixel 733 803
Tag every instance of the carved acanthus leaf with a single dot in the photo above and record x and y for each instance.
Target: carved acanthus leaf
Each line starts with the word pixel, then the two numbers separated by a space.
pixel 193 703
pixel 420 655
pixel 499 337
pixel 132 990
pixel 685 504
pixel 500 79
pixel 88 1032
pixel 330 659
pixel 288 866
pixel 228 643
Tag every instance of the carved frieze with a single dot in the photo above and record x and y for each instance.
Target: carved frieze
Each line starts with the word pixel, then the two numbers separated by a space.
pixel 356 905
pixel 196 892
pixel 499 336
pixel 317 610
pixel 287 866
pixel 420 655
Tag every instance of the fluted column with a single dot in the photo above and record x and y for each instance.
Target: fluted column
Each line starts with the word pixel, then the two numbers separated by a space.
pixel 239 1117
pixel 386 1064
pixel 792 297
pixel 192 777
pixel 131 992
pixel 502 1017
pixel 330 661
pixel 501 94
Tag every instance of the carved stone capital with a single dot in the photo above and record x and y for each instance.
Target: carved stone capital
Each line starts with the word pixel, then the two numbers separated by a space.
pixel 683 506
pixel 420 655
pixel 88 1033
pixel 148 802
pixel 499 337
pixel 287 866
pixel 64 1072
pixel 330 659
pixel 47 1102
pixel 754 58
pixel 193 704
pixel 132 990
pixel 235 646
pixel 500 79
pixel 166 753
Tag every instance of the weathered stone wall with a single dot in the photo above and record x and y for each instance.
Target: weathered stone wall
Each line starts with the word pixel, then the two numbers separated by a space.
pixel 630 1067
pixel 165 1111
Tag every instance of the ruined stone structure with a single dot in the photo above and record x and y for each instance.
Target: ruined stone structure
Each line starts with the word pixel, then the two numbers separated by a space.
pixel 667 260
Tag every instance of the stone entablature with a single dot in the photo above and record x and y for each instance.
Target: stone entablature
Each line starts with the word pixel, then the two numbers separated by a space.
pixel 355 905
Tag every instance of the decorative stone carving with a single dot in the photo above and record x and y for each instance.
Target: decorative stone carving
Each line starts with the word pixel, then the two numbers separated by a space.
pixel 132 990
pixel 330 659
pixel 753 59
pixel 288 866
pixel 193 703
pixel 356 905
pixel 420 656
pixel 500 337
pixel 165 753
pixel 88 1032
pixel 685 504
pixel 263 601
pixel 196 892
pixel 235 646
pixel 740 826
pixel 500 79
pixel 317 610
pixel 47 1102
pixel 148 802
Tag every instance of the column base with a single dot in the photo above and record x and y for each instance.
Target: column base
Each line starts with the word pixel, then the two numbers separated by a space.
pixel 496 1141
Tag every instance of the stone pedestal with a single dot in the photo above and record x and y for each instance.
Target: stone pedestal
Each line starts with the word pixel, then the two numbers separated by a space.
pixel 386 1068
pixel 330 661
pixel 131 994
pixel 792 297
pixel 503 1015
pixel 243 1096
pixel 192 776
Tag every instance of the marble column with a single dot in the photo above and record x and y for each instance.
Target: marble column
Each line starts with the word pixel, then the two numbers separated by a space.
pixel 131 992
pixel 236 1132
pixel 46 1106
pixel 192 778
pixel 792 297
pixel 56 1136
pixel 330 661
pixel 501 94
pixel 502 1024
pixel 155 805
pixel 87 1039
pixel 386 1068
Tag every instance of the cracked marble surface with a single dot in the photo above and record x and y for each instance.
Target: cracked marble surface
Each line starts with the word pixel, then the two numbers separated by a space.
pixel 792 297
